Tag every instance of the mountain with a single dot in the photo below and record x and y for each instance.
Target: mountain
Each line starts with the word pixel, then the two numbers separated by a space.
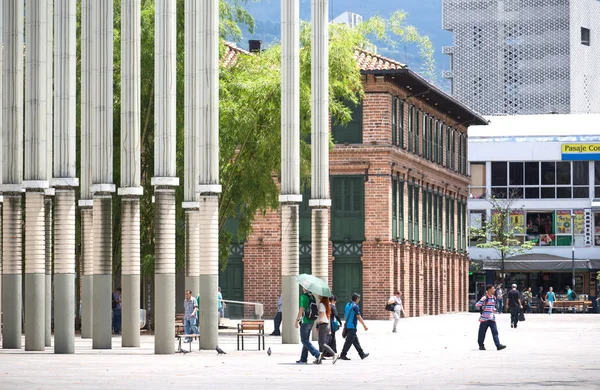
pixel 425 15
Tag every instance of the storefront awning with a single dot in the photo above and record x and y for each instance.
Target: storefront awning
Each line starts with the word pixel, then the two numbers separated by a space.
pixel 595 204
pixel 541 265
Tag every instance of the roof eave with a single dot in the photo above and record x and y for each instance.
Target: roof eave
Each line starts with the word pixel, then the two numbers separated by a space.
pixel 470 117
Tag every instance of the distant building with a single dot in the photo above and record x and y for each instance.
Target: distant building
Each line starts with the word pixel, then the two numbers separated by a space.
pixel 349 18
pixel 524 56
pixel 550 166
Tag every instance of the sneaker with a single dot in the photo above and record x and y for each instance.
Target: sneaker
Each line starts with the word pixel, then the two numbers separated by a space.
pixel 394 331
pixel 500 347
pixel 301 362
pixel 482 347
pixel 343 357
pixel 335 358
pixel 320 358
pixel 515 326
pixel 512 326
pixel 317 361
pixel 363 357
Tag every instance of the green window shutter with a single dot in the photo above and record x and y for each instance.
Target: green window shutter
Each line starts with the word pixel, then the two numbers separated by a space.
pixel 394 120
pixel 431 139
pixel 401 123
pixel 416 213
pixel 460 153
pixel 430 217
pixel 425 134
pixel 465 154
pixel 440 219
pixel 401 210
pixel 411 110
pixel 424 220
pixel 347 220
pixel 416 131
pixel 441 144
pixel 410 212
pixel 436 135
pixel 453 161
pixel 447 243
pixel 394 208
pixel 352 132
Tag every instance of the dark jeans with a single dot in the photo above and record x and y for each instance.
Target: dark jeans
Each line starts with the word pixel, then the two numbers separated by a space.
pixel 352 339
pixel 116 323
pixel 500 305
pixel 514 315
pixel 540 307
pixel 529 310
pixel 483 326
pixel 307 346
pixel 277 321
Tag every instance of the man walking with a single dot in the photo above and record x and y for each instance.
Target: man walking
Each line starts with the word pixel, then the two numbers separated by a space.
pixel 277 319
pixel 515 304
pixel 190 306
pixel 396 300
pixel 116 306
pixel 500 298
pixel 352 313
pixel 305 321
pixel 487 303
pixel 528 295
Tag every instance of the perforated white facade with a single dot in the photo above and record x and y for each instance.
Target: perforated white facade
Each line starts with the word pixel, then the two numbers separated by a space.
pixel 524 56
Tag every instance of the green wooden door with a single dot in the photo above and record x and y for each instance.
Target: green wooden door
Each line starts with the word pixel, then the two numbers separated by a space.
pixel 231 281
pixel 347 279
pixel 305 266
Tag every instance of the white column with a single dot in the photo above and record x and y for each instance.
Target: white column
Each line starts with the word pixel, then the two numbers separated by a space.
pixel 85 202
pixel 320 201
pixel 191 150
pixel 290 165
pixel 35 175
pixel 12 171
pixel 65 174
pixel 208 171
pixel 165 176
pixel 101 100
pixel 131 188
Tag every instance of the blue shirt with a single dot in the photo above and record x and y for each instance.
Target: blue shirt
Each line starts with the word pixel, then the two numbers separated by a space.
pixel 570 295
pixel 550 296
pixel 220 301
pixel 351 311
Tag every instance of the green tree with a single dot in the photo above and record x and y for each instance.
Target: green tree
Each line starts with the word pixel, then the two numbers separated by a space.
pixel 499 233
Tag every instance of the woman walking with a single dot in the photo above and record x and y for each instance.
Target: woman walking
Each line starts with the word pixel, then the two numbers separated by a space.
pixel 550 297
pixel 324 328
pixel 335 323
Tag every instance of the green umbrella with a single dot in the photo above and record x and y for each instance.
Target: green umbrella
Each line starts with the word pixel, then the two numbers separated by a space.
pixel 314 285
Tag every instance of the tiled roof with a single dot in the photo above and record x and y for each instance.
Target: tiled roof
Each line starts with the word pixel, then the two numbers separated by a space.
pixel 371 61
pixel 231 53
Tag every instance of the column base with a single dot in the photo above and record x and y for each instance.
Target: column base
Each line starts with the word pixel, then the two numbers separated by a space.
pixel 130 312
pixel 209 314
pixel 64 322
pixel 35 313
pixel 12 286
pixel 290 298
pixel 164 318
pixel 102 312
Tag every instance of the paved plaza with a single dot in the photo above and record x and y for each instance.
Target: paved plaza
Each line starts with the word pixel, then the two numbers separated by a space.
pixel 546 351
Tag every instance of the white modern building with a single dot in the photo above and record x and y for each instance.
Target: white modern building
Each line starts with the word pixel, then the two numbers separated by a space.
pixel 550 166
pixel 524 56
pixel 350 18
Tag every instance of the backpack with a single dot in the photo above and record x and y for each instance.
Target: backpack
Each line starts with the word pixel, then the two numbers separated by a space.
pixel 313 310
pixel 573 295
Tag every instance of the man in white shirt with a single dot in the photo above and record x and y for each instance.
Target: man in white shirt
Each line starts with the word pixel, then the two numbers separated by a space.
pixel 396 300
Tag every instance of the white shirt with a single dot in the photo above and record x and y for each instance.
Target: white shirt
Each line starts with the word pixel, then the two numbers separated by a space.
pixel 322 318
pixel 394 298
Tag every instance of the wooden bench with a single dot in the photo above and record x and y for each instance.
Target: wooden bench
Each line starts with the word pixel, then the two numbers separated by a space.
pixel 185 336
pixel 252 328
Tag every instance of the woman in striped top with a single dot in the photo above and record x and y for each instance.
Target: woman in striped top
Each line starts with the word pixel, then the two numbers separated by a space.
pixel 487 319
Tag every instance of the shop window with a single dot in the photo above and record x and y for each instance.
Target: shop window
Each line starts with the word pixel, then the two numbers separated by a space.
pixel 548 173
pixel 532 193
pixel 516 173
pixel 563 173
pixel 563 192
pixel 548 192
pixel 478 180
pixel 581 192
pixel 499 179
pixel 540 228
pixel 532 174
pixel 597 229
pixel 581 174
pixel 476 221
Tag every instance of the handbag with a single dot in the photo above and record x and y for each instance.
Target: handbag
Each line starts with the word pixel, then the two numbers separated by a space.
pixel 521 316
pixel 390 306
pixel 344 332
pixel 335 325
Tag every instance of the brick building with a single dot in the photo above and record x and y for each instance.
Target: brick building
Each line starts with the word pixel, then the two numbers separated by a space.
pixel 399 188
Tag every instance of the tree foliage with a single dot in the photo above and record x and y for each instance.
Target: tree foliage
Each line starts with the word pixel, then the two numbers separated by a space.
pixel 250 115
pixel 499 233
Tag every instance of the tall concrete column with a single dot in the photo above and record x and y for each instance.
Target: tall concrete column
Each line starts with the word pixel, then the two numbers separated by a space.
pixel 290 197
pixel 35 180
pixel 165 174
pixel 131 188
pixel 86 202
pixel 101 100
pixel 208 172
pixel 12 171
pixel 191 146
pixel 49 192
pixel 320 201
pixel 65 173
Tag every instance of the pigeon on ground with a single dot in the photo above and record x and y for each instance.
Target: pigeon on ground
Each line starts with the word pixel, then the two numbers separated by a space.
pixel 269 351
pixel 220 351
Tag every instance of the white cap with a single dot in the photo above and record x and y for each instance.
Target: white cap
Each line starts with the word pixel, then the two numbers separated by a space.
pixel 514 286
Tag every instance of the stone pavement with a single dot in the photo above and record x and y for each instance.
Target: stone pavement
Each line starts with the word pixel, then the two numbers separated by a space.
pixel 428 353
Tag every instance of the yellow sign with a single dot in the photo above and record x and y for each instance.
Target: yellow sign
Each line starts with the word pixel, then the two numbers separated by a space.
pixel 563 222
pixel 580 148
pixel 579 221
